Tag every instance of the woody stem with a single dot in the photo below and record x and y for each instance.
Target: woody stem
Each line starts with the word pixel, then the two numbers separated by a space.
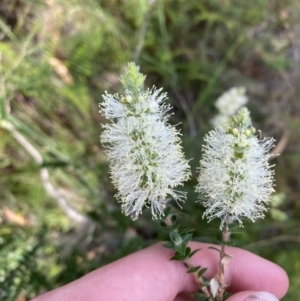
pixel 222 264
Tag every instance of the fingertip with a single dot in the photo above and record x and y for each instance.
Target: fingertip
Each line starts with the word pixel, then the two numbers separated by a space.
pixel 283 279
pixel 253 296
pixel 249 271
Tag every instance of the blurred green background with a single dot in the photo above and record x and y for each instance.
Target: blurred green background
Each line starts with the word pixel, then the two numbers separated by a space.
pixel 58 215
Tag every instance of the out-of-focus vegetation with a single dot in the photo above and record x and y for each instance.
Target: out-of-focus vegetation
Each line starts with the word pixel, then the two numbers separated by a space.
pixel 58 217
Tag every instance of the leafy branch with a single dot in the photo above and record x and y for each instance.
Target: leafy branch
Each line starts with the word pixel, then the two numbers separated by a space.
pixel 178 240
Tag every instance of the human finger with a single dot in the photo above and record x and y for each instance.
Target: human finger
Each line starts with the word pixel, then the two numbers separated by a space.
pixel 246 271
pixel 252 296
pixel 150 275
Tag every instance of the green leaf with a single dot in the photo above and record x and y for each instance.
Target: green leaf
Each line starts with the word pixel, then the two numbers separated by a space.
pixel 194 252
pixel 187 252
pixel 186 238
pixel 163 224
pixel 226 243
pixel 178 241
pixel 164 237
pixel 181 213
pixel 175 258
pixel 193 269
pixel 175 237
pixel 167 211
pixel 201 272
pixel 180 248
pixel 169 245
pixel 178 256
pixel 213 248
pixel 173 218
pixel 187 231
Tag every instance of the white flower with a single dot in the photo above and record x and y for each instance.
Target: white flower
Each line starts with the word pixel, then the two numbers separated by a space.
pixel 235 177
pixel 232 100
pixel 220 120
pixel 146 159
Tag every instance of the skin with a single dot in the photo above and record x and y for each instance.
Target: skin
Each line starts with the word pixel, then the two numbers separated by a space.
pixel 149 275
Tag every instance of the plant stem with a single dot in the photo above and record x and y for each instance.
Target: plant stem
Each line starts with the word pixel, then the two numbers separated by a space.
pixel 224 260
pixel 198 280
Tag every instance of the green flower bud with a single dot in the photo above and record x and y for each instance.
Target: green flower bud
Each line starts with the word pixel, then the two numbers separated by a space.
pixel 132 80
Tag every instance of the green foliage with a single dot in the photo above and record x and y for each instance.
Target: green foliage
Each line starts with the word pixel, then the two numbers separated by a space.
pixel 175 238
pixel 56 60
pixel 19 268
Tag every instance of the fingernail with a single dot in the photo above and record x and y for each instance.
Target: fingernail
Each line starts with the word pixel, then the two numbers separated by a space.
pixel 261 296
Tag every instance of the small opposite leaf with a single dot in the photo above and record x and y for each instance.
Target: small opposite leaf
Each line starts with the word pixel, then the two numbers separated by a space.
pixel 181 213
pixel 167 211
pixel 201 272
pixel 187 252
pixel 194 252
pixel 175 237
pixel 173 218
pixel 177 256
pixel 186 238
pixel 187 231
pixel 180 248
pixel 213 248
pixel 169 245
pixel 163 224
pixel 164 237
pixel 229 243
pixel 194 269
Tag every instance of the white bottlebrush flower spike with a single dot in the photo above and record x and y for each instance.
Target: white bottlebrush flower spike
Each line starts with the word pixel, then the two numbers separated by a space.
pixel 146 159
pixel 232 100
pixel 228 104
pixel 235 178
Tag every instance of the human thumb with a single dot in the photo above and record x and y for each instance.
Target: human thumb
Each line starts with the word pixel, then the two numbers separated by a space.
pixel 252 296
